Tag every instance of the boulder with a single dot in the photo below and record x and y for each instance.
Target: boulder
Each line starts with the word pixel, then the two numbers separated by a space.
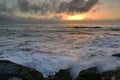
pixel 63 75
pixel 111 75
pixel 89 74
pixel 116 55
pixel 13 71
pixel 50 77
pixel 15 78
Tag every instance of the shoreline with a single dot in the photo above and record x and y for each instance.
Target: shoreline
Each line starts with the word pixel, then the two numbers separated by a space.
pixel 13 71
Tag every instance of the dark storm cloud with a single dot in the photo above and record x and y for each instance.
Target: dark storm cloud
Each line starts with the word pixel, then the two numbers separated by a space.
pixel 47 7
pixel 50 6
pixel 57 6
pixel 26 6
pixel 77 6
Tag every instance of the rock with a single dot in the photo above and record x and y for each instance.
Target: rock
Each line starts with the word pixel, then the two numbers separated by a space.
pixel 111 75
pixel 15 78
pixel 118 68
pixel 89 74
pixel 107 75
pixel 63 75
pixel 50 77
pixel 116 55
pixel 13 71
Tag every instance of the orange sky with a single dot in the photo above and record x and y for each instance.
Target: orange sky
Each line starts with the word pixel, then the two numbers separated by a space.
pixel 108 9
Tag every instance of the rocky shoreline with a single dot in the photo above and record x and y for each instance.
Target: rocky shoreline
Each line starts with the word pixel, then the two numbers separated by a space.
pixel 13 71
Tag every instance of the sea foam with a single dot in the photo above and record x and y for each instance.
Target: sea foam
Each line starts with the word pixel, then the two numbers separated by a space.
pixel 51 48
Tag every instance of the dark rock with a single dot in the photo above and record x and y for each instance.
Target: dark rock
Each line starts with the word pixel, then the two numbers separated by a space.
pixel 63 75
pixel 89 74
pixel 116 55
pixel 15 78
pixel 25 49
pixel 111 75
pixel 13 71
pixel 50 77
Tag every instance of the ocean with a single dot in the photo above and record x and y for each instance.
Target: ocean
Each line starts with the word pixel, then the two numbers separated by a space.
pixel 51 47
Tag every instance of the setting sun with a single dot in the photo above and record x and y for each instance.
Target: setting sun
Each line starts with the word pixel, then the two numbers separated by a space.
pixel 76 17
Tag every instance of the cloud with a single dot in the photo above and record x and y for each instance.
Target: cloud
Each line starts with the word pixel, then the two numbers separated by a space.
pixel 11 19
pixel 6 18
pixel 56 6
pixel 26 6
pixel 4 8
pixel 77 6
pixel 50 6
pixel 89 4
pixel 5 14
pixel 49 9
pixel 47 6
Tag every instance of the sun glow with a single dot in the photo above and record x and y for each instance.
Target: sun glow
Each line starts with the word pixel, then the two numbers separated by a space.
pixel 75 17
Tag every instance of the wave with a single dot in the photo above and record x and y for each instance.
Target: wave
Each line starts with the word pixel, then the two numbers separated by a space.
pixel 51 48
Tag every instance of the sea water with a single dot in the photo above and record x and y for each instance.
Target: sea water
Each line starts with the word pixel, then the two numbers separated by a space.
pixel 51 47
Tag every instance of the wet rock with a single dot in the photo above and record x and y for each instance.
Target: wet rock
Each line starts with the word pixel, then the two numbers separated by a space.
pixel 13 71
pixel 116 55
pixel 63 75
pixel 25 49
pixel 111 75
pixel 89 74
pixel 15 78
pixel 50 77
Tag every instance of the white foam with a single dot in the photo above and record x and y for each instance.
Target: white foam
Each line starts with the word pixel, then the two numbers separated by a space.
pixel 60 51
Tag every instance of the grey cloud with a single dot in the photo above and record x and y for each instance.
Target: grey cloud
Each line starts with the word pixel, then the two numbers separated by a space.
pixel 23 5
pixel 90 4
pixel 57 6
pixel 5 13
pixel 77 6
pixel 4 8
pixel 48 6
pixel 11 19
pixel 26 6
pixel 45 7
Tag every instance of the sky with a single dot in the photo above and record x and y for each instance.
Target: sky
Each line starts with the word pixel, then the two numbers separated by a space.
pixel 45 10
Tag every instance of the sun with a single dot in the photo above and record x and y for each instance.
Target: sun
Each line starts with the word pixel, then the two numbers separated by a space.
pixel 75 17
